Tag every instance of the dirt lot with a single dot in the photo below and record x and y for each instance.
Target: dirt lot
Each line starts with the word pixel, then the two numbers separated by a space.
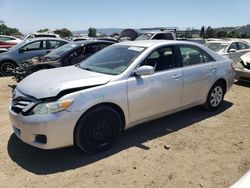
pixel 206 150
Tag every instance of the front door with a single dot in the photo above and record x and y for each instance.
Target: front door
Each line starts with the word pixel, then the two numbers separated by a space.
pixel 157 93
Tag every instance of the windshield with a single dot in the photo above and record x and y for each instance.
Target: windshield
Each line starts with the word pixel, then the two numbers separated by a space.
pixel 61 51
pixel 144 36
pixel 217 47
pixel 113 59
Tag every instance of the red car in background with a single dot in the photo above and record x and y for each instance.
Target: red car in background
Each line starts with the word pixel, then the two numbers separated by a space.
pixel 6 44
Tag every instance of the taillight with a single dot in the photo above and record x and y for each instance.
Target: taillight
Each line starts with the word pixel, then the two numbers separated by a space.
pixel 233 65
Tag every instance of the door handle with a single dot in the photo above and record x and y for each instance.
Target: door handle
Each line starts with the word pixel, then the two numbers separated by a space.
pixel 176 76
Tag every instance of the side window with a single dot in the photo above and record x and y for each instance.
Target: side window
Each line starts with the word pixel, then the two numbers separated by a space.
pixel 161 59
pixel 3 38
pixel 159 36
pixel 103 45
pixel 38 45
pixel 233 46
pixel 242 46
pixel 191 55
pixel 90 49
pixel 53 44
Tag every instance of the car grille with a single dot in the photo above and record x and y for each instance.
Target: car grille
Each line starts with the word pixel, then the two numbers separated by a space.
pixel 21 103
pixel 18 104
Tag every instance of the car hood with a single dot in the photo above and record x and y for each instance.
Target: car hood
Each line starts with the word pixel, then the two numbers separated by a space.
pixel 49 83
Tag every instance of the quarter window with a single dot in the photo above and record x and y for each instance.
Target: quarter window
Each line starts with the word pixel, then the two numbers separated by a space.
pixel 161 59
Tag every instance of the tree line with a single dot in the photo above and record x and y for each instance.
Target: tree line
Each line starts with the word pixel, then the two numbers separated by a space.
pixel 209 32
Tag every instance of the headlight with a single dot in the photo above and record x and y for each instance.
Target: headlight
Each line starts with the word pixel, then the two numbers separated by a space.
pixel 52 107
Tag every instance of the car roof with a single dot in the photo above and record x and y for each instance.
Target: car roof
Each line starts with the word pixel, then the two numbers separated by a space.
pixel 45 38
pixel 226 41
pixel 84 42
pixel 150 43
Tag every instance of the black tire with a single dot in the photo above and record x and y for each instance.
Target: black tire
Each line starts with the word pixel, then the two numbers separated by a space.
pixel 5 66
pixel 98 129
pixel 215 97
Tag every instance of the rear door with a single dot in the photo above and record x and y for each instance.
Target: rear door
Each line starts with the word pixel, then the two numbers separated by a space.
pixel 199 70
pixel 157 93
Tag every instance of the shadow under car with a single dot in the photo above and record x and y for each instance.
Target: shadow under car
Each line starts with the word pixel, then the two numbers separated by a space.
pixel 42 162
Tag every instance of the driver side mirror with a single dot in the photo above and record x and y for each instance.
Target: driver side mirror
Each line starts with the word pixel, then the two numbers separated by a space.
pixel 232 50
pixel 144 70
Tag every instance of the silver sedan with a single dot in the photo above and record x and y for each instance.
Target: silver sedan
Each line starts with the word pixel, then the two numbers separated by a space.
pixel 117 88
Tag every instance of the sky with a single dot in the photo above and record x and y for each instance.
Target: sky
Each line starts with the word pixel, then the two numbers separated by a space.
pixel 32 15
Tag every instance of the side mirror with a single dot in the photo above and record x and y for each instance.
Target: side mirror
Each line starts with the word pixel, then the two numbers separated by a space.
pixel 21 50
pixel 232 50
pixel 144 70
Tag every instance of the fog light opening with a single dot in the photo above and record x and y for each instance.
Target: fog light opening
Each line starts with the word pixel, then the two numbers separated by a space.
pixel 41 139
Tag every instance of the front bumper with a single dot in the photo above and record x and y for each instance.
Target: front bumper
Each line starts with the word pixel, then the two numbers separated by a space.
pixel 242 74
pixel 57 128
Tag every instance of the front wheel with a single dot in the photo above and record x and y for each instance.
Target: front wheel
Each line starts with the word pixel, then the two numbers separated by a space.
pixel 6 68
pixel 215 97
pixel 98 129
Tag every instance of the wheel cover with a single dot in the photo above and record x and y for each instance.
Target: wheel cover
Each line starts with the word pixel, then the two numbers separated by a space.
pixel 216 96
pixel 100 130
pixel 6 68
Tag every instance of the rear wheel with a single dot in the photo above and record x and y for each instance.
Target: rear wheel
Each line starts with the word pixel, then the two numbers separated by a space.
pixel 215 96
pixel 98 129
pixel 7 67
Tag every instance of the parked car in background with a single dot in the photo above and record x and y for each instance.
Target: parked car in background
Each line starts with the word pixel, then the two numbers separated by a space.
pixel 66 55
pixel 6 45
pixel 25 50
pixel 82 38
pixel 41 35
pixel 232 49
pixel 148 34
pixel 119 87
pixel 243 68
pixel 11 39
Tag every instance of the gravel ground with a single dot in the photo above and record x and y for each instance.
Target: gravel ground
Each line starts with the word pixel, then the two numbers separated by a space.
pixel 193 148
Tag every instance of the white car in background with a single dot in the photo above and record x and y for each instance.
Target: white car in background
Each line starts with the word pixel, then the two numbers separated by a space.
pixel 232 49
pixel 7 38
pixel 40 35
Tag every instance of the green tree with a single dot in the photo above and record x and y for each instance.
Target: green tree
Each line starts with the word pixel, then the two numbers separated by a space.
pixel 210 33
pixel 114 34
pixel 202 32
pixel 64 33
pixel 221 34
pixel 232 34
pixel 43 30
pixel 5 30
pixel 92 32
pixel 244 35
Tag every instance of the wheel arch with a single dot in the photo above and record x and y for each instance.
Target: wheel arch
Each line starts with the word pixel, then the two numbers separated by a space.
pixel 223 82
pixel 10 60
pixel 114 106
